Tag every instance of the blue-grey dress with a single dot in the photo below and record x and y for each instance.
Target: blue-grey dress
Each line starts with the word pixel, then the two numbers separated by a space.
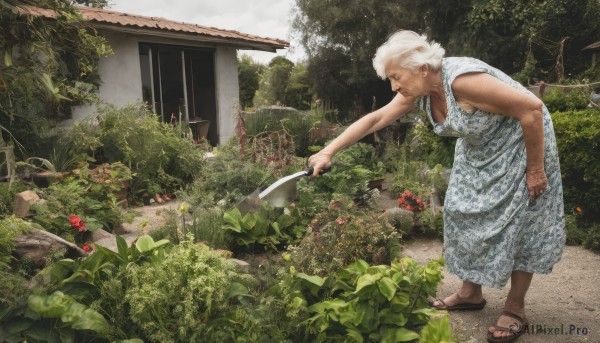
pixel 490 227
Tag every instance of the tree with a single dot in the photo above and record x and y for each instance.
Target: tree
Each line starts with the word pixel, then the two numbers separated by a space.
pixel 273 82
pixel 298 92
pixel 341 37
pixel 249 73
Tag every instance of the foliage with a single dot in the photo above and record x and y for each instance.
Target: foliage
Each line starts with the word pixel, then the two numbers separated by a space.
pixel 161 160
pixel 368 303
pixel 189 286
pixel 10 227
pixel 352 168
pixel 249 73
pixel 226 179
pixel 93 3
pixel 206 226
pixel 47 67
pixel 66 292
pixel 341 38
pixel 559 100
pixel 578 140
pixel 272 120
pixel 88 194
pixel 273 82
pixel 341 234
pixel 266 227
pixel 298 92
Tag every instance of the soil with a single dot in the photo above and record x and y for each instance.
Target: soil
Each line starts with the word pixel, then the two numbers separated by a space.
pixel 565 300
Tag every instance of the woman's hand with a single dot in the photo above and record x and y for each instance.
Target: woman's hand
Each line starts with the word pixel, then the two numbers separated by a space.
pixel 537 183
pixel 320 161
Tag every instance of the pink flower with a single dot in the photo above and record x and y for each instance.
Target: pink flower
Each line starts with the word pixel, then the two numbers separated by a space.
pixel 408 207
pixel 341 221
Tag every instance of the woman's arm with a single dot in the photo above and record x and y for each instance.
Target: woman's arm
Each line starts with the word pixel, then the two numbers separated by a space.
pixel 489 94
pixel 371 122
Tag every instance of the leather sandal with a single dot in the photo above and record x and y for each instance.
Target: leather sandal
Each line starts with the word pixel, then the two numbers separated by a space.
pixel 462 306
pixel 516 329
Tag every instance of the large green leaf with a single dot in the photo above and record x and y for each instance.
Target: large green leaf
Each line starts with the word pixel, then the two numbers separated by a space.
pixel 52 306
pixel 387 287
pixel 314 279
pixel 391 335
pixel 366 280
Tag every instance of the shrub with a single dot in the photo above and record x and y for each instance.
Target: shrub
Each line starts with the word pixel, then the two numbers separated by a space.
pixel 174 299
pixel 578 140
pixel 559 100
pixel 161 159
pixel 342 234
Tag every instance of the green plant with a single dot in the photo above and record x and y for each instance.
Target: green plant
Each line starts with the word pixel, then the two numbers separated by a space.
pixel 89 194
pixel 207 226
pixel 560 100
pixel 265 227
pixel 161 160
pixel 341 234
pixel 63 306
pixel 578 141
pixel 188 288
pixel 367 303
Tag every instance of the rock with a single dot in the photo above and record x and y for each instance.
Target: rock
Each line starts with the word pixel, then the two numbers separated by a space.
pixel 109 240
pixel 37 245
pixel 241 264
pixel 22 203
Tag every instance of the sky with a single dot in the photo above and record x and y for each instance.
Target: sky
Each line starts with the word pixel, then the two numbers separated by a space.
pixel 265 18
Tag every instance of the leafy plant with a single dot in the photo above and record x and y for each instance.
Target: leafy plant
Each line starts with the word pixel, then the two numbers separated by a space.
pixel 190 286
pixel 341 234
pixel 260 228
pixel 368 303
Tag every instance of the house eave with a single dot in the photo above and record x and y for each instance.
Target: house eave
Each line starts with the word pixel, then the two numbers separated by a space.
pixel 190 37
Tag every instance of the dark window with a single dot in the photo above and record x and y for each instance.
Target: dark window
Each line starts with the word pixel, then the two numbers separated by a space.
pixel 179 83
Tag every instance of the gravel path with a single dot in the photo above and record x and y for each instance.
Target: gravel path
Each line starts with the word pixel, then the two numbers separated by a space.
pixel 566 300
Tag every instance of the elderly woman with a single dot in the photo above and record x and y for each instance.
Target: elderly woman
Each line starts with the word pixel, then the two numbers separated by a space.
pixel 503 212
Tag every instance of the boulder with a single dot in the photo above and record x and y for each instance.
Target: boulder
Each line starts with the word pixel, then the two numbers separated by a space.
pixel 22 203
pixel 37 245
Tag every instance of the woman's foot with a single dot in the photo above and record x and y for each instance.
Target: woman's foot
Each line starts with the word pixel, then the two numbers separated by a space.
pixel 456 301
pixel 509 326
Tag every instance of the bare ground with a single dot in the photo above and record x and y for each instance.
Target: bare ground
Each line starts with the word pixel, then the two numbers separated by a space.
pixel 565 300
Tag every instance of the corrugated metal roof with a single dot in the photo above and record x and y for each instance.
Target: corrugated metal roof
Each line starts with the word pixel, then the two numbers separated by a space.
pixel 110 17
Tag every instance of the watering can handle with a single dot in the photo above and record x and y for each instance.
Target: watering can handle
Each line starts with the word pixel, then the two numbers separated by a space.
pixel 311 170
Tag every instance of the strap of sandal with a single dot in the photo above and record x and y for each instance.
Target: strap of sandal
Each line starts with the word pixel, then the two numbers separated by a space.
pixel 443 304
pixel 516 316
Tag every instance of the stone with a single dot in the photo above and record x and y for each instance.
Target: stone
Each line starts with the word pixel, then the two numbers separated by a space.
pixel 241 264
pixel 22 203
pixel 37 245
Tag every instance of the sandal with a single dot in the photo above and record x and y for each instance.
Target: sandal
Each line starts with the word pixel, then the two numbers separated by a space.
pixel 516 329
pixel 462 306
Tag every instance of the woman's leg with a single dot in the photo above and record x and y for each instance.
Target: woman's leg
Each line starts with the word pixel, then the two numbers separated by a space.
pixel 515 300
pixel 469 292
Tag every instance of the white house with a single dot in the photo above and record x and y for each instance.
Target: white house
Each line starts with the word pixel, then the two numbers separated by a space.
pixel 181 69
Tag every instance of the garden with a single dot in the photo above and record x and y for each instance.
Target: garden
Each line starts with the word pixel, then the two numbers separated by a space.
pixel 331 263
pixel 326 267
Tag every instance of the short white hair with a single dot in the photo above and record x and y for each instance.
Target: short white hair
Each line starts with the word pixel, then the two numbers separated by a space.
pixel 407 49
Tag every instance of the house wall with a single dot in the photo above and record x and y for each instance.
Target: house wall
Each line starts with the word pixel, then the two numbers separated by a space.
pixel 122 81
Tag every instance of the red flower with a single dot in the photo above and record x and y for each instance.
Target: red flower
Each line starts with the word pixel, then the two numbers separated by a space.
pixel 400 201
pixel 408 207
pixel 74 220
pixel 76 223
pixel 87 248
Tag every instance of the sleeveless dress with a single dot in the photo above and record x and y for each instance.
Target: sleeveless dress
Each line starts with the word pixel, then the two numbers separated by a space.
pixel 490 226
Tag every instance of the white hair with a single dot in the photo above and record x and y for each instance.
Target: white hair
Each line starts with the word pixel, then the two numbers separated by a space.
pixel 407 49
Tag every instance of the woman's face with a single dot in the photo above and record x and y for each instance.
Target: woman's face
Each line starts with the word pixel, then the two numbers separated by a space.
pixel 408 82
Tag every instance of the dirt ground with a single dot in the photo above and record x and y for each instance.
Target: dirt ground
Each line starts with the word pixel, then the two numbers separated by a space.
pixel 563 302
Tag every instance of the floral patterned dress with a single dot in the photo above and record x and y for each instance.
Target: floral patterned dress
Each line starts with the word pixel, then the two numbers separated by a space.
pixel 490 226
